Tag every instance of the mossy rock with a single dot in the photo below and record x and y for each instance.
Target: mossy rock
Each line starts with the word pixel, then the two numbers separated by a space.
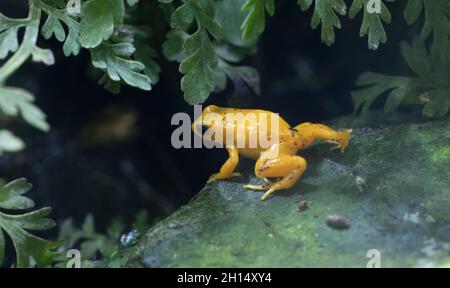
pixel 392 185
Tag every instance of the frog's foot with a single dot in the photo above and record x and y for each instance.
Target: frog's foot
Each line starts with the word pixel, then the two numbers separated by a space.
pixel 257 187
pixel 218 176
pixel 310 132
pixel 287 168
pixel 340 140
pixel 226 171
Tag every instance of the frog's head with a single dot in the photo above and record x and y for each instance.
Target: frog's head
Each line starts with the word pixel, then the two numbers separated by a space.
pixel 210 109
pixel 210 116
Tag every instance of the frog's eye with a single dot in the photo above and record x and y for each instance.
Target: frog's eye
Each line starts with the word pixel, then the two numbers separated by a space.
pixel 210 108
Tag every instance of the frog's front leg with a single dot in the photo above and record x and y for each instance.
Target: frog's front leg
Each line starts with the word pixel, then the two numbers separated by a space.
pixel 227 169
pixel 309 133
pixel 287 167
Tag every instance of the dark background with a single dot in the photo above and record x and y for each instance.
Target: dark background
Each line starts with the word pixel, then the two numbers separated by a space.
pixel 302 79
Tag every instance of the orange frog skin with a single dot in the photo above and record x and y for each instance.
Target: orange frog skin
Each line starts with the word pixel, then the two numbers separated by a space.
pixel 284 169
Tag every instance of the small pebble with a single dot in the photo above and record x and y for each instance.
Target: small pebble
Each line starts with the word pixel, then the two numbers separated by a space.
pixel 337 222
pixel 361 183
pixel 303 205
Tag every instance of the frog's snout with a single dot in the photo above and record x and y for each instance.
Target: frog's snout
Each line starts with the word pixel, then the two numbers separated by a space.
pixel 210 108
pixel 196 124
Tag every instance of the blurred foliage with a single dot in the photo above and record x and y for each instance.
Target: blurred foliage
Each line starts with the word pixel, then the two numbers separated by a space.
pixel 30 249
pixel 429 87
pixel 97 249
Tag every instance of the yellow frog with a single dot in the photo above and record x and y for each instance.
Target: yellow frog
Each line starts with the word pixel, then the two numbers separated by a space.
pixel 283 169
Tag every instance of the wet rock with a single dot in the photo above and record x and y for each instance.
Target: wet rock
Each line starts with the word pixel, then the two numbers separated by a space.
pixel 225 225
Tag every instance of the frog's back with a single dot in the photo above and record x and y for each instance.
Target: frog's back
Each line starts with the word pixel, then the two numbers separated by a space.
pixel 252 121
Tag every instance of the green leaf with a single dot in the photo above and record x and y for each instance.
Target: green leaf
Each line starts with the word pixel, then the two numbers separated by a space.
pixel 115 228
pixel 27 245
pixel 91 243
pixel 43 56
pixel 137 39
pixel 325 14
pixel 141 221
pixel 132 2
pixel 11 195
pixel 239 75
pixel 231 53
pixel 9 142
pixel 413 10
pixel 255 21
pixel 200 58
pixel 198 67
pixel 418 58
pixel 173 46
pixel 2 247
pixel 230 17
pixel 88 225
pixel 182 17
pixel 146 54
pixel 437 23
pixel 438 103
pixel 98 19
pixel 53 26
pixel 115 60
pixel 373 85
pixel 429 86
pixel 396 97
pixel 8 34
pixel 15 100
pixel 113 87
pixel 8 42
pixel 372 23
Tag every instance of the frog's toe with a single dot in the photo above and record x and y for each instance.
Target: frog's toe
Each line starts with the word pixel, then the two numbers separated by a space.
pixel 336 147
pixel 212 178
pixel 218 176
pixel 268 193
pixel 257 187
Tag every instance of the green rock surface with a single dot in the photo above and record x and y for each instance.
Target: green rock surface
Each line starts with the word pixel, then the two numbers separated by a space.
pixel 392 185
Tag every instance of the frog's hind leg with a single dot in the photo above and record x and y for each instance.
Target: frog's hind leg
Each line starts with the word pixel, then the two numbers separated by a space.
pixel 310 132
pixel 227 169
pixel 288 167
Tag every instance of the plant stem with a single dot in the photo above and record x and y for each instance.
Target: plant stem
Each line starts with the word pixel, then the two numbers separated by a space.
pixel 28 43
